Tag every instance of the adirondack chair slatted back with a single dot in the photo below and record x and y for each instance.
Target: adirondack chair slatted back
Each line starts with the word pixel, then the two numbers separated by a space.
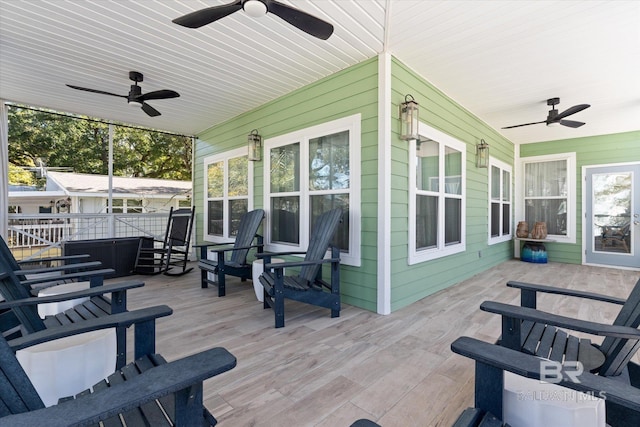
pixel 7 255
pixel 179 227
pixel 619 351
pixel 17 394
pixel 11 290
pixel 321 235
pixel 247 230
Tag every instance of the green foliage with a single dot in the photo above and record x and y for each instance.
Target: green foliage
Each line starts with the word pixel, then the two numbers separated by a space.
pixel 64 141
pixel 20 176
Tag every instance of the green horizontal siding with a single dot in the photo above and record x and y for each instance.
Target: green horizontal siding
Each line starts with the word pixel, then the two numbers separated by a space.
pixel 413 282
pixel 351 91
pixel 590 151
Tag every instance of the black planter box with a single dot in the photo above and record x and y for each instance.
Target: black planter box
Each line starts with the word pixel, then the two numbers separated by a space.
pixel 117 253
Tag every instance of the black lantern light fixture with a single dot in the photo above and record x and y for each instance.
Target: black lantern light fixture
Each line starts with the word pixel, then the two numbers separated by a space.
pixel 482 154
pixel 409 119
pixel 255 146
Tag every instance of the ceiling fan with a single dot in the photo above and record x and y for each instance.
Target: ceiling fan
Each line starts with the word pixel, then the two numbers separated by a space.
pixel 554 118
pixel 135 97
pixel 256 8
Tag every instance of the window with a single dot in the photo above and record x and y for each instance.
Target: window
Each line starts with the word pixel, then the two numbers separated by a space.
pixel 499 201
pixel 310 172
pixel 437 195
pixel 120 206
pixel 228 193
pixel 549 194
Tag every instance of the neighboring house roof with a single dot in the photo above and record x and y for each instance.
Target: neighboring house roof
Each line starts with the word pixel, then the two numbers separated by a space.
pixel 86 184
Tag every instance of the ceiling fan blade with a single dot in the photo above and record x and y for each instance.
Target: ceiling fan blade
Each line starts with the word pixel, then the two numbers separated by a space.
pixel 525 124
pixel 570 111
pixel 158 94
pixel 96 91
pixel 150 110
pixel 301 20
pixel 571 123
pixel 206 16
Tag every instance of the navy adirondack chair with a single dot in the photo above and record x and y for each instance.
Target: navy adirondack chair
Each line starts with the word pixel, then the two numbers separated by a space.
pixel 540 333
pixel 72 266
pixel 236 263
pixel 155 256
pixel 307 286
pixel 148 392
pixel 622 400
pixel 19 314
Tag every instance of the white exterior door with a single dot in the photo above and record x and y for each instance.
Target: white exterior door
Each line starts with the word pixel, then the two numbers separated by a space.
pixel 612 215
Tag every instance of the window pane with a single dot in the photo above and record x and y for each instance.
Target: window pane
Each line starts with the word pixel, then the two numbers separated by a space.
pixel 551 211
pixel 495 183
pixel 452 221
pixel 546 179
pixel 506 219
pixel 329 162
pixel 214 214
pixel 506 186
pixel 285 168
pixel 134 206
pixel 321 204
pixel 237 208
pixel 426 222
pixel 285 219
pixel 495 219
pixel 215 180
pixel 238 176
pixel 452 170
pixel 428 170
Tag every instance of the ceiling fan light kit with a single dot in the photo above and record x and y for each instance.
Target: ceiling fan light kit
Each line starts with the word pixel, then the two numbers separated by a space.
pixel 256 8
pixel 556 119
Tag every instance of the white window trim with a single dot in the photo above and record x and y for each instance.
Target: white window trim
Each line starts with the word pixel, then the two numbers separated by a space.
pixel 503 167
pixel 570 158
pixel 351 124
pixel 418 256
pixel 224 157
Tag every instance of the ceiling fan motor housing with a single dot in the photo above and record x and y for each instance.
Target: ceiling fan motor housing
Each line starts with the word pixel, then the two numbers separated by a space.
pixel 134 93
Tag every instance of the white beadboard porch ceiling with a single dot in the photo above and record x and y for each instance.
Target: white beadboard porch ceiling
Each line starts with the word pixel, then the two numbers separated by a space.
pixel 500 60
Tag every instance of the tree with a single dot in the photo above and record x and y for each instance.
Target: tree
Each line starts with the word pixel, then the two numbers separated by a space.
pixel 60 140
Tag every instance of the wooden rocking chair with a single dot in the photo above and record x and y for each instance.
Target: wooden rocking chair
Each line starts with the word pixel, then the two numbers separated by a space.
pixel 161 256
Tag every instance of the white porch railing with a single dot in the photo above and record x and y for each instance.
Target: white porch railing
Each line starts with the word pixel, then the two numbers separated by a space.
pixel 38 235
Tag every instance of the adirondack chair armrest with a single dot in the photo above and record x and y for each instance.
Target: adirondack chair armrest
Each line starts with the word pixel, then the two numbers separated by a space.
pixel 533 288
pixel 282 265
pixel 154 383
pixel 89 292
pixel 505 359
pixel 93 274
pixel 125 319
pixel 524 313
pixel 65 267
pixel 54 258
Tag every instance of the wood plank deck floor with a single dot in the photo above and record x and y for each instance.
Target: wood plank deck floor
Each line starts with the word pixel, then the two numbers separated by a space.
pixel 397 370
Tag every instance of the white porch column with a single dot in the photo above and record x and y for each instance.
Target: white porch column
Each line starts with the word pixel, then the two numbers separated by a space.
pixel 4 171
pixel 384 183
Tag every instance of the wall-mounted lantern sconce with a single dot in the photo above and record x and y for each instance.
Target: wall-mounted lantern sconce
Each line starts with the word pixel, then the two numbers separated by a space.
pixel 409 119
pixel 482 154
pixel 255 146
